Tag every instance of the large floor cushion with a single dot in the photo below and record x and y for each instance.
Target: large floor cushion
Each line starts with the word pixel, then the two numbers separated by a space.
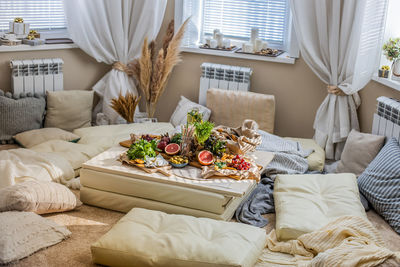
pixel 316 160
pixel 153 238
pixel 304 203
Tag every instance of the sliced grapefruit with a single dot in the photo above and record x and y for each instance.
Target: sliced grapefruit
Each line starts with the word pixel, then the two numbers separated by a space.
pixel 205 157
pixel 172 149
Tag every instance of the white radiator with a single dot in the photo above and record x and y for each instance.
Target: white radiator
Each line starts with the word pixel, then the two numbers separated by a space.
pixel 36 75
pixel 223 77
pixel 387 118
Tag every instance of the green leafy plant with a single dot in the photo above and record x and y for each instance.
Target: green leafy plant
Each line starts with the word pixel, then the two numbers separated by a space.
pixel 142 149
pixel 214 145
pixel 177 138
pixel 392 49
pixel 203 131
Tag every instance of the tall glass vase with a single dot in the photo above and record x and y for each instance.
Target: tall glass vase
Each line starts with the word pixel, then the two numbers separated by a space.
pixel 396 70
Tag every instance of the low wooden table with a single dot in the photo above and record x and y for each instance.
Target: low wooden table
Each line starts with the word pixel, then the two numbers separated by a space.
pixel 108 183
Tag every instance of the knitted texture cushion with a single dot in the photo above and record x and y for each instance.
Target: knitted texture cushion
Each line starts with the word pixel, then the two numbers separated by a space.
pixel 23 233
pixel 19 113
pixel 380 183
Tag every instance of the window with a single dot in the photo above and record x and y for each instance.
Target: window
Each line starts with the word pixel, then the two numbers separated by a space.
pixel 235 18
pixel 41 14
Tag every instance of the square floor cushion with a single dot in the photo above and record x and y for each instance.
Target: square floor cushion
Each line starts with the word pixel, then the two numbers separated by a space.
pixel 307 202
pixel 380 183
pixel 153 238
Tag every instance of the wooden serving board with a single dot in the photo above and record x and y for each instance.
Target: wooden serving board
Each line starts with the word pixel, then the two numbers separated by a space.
pixel 126 143
pixel 163 170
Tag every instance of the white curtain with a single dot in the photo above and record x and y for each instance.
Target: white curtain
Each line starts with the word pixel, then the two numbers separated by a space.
pixel 113 31
pixel 340 40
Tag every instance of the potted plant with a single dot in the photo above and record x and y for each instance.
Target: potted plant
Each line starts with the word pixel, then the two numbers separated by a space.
pixel 392 52
pixel 384 71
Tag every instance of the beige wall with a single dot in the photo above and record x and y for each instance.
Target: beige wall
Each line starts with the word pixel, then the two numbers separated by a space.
pixel 297 90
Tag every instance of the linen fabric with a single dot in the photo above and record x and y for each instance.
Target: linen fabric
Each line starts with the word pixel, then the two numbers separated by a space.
pixel 112 31
pixel 184 106
pixel 305 203
pixel 31 138
pixel 23 233
pixel 349 241
pixel 69 110
pixel 19 114
pixel 360 149
pixel 231 108
pixel 380 183
pixel 335 41
pixel 316 160
pixel 39 197
pixel 177 240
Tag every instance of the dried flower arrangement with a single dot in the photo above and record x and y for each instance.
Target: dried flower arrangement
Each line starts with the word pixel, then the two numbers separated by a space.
pixel 392 49
pixel 152 71
pixel 125 106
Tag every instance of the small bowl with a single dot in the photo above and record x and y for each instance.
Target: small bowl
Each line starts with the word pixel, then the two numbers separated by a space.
pixel 179 165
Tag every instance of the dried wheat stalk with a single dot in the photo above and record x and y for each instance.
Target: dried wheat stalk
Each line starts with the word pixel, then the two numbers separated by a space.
pixel 145 64
pixel 125 106
pixel 168 36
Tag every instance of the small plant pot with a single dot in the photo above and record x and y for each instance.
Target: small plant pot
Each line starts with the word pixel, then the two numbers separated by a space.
pixel 383 73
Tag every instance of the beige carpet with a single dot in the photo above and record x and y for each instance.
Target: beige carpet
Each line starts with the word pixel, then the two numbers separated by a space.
pixel 89 223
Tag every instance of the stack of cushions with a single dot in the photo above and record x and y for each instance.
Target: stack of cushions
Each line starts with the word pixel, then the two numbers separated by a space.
pixel 19 113
pixel 32 138
pixel 231 108
pixel 69 110
pixel 153 238
pixel 184 106
pixel 380 183
pixel 360 149
pixel 23 233
pixel 39 197
pixel 307 202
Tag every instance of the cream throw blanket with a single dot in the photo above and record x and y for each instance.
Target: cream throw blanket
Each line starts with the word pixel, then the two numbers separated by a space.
pixel 347 241
pixel 18 165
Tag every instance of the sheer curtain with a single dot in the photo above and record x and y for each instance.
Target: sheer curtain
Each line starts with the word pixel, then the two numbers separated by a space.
pixel 113 31
pixel 340 40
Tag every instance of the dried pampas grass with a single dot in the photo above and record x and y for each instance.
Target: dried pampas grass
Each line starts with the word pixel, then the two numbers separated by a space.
pixel 152 71
pixel 125 106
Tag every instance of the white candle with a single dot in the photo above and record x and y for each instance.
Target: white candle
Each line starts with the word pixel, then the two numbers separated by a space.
pixel 220 38
pixel 265 45
pixel 213 43
pixel 227 43
pixel 248 48
pixel 208 41
pixel 253 35
pixel 215 33
pixel 258 45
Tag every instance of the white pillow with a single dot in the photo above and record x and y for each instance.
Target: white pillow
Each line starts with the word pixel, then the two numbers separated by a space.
pixel 184 106
pixel 39 197
pixel 23 233
pixel 35 137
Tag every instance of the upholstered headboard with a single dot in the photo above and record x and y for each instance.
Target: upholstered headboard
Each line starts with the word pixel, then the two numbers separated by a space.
pixel 230 108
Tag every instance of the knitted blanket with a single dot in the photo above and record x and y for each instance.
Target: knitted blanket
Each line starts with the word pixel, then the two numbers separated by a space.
pixel 347 241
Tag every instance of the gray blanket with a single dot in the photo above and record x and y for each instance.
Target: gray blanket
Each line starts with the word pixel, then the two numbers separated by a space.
pixel 290 158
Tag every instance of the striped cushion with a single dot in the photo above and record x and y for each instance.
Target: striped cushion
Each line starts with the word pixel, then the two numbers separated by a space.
pixel 380 183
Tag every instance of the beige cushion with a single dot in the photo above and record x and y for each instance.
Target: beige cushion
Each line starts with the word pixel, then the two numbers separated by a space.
pixel 316 160
pixel 69 109
pixel 231 108
pixel 39 197
pixel 34 137
pixel 184 106
pixel 177 240
pixel 23 233
pixel 307 202
pixel 107 136
pixel 75 154
pixel 360 149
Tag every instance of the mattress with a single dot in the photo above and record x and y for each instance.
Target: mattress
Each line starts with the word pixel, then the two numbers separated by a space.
pixel 124 203
pixel 104 178
pixel 304 203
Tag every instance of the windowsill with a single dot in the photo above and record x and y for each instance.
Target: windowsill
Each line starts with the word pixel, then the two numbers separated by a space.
pixel 284 58
pixel 25 47
pixel 388 82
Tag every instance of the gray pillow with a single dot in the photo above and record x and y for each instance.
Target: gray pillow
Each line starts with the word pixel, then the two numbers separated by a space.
pixel 19 113
pixel 360 149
